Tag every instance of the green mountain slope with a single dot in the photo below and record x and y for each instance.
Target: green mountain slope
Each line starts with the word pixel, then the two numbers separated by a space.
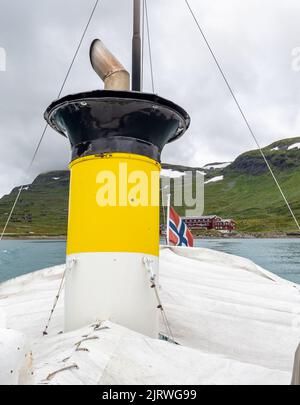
pixel 247 193
pixel 42 208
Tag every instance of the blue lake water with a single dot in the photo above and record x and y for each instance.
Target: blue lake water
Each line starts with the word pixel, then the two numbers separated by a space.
pixel 281 256
pixel 19 257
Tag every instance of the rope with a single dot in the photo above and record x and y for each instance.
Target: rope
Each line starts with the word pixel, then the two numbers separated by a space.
pixel 148 265
pixel 145 14
pixel 79 46
pixel 149 47
pixel 71 367
pixel 46 126
pixel 11 212
pixel 45 332
pixel 165 319
pixel 242 113
pixel 69 266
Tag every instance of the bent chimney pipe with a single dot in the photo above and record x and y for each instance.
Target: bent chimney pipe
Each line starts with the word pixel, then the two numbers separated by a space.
pixel 107 66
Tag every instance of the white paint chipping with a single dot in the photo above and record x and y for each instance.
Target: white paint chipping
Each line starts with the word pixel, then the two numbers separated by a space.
pixel 55 178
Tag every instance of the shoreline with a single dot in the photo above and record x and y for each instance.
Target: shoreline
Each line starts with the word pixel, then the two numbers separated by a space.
pixel 35 237
pixel 265 235
pixel 249 236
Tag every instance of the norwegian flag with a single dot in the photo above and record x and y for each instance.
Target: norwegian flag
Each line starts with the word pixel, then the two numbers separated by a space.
pixel 179 233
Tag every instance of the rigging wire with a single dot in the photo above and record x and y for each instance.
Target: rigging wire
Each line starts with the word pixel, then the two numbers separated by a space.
pixel 61 284
pixel 46 126
pixel 149 47
pixel 242 113
pixel 145 14
pixel 170 335
pixel 152 278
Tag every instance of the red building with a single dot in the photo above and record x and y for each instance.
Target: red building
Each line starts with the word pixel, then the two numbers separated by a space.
pixel 210 222
pixel 204 222
pixel 226 225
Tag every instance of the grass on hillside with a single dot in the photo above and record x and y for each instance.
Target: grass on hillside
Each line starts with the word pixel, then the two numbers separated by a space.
pixel 252 200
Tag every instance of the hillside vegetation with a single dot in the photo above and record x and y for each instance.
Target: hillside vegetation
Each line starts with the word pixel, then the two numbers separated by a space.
pixel 247 193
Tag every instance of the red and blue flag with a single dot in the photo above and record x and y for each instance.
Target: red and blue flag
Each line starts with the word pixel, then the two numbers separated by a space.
pixel 179 233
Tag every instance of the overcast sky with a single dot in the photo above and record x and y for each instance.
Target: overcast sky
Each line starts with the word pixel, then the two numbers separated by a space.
pixel 253 39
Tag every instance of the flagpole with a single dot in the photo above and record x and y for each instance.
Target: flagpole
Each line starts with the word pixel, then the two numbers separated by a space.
pixel 168 218
pixel 164 213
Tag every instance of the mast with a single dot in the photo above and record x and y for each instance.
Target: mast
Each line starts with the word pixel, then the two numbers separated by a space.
pixel 136 46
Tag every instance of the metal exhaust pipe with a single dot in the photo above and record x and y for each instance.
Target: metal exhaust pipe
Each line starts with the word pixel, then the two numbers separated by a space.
pixel 108 68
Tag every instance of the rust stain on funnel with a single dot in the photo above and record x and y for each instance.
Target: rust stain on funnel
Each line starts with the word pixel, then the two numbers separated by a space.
pixel 108 68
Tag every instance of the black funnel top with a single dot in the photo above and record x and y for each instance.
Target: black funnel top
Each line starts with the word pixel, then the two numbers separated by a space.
pixel 117 121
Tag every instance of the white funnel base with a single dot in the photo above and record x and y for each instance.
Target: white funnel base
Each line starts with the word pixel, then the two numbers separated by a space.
pixel 111 286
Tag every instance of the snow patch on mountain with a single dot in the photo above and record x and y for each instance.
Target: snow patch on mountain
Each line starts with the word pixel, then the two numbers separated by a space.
pixel 214 179
pixel 294 146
